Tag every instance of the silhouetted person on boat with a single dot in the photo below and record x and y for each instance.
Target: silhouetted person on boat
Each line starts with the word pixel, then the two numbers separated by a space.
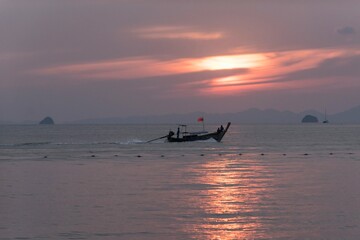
pixel 221 128
pixel 178 133
pixel 171 133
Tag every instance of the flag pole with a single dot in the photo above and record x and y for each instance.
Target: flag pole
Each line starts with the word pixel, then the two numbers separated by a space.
pixel 203 124
pixel 201 119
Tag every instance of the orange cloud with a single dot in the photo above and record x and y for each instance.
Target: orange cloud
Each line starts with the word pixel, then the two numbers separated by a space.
pixel 131 68
pixel 267 70
pixel 128 68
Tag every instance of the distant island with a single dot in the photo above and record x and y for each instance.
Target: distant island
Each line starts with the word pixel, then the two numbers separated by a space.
pixel 47 121
pixel 310 119
pixel 249 116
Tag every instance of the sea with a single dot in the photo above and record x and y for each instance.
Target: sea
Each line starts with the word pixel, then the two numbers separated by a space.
pixel 106 182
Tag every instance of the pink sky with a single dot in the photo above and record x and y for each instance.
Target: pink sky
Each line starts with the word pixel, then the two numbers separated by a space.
pixel 89 59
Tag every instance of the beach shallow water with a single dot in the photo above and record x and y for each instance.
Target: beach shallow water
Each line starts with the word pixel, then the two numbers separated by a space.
pixel 104 182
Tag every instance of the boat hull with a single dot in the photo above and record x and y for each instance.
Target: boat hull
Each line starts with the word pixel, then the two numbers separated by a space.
pixel 218 135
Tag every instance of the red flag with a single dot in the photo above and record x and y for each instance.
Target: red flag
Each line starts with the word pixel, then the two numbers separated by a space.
pixel 200 119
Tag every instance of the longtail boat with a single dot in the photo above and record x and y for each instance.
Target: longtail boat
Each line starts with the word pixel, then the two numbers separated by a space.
pixel 197 136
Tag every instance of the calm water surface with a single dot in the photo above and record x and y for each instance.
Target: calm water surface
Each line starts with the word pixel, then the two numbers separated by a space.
pixel 104 182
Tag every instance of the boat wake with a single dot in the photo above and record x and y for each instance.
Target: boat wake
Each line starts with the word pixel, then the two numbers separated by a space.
pixel 132 141
pixel 37 144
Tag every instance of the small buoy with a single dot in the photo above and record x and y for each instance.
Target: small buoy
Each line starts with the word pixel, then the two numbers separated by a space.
pixel 306 154
pixel 139 156
pixel 262 154
pixel 162 156
pixel 240 154
pixel 284 154
pixel 331 153
pixel 202 154
pixel 116 155
pixel 182 155
pixel 45 156
pixel 92 155
pixel 350 153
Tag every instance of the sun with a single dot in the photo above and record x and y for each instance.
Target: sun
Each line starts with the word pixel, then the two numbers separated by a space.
pixel 230 61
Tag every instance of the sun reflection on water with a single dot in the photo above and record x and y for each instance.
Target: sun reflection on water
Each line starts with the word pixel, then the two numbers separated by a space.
pixel 229 204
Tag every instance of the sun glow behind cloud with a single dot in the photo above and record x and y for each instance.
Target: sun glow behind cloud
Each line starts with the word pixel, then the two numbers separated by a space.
pixel 268 68
pixel 231 61
pixel 132 68
pixel 263 70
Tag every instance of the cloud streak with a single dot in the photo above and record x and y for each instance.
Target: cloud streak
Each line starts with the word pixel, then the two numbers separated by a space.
pixel 263 70
pixel 343 67
pixel 292 69
pixel 176 32
pixel 346 31
pixel 140 67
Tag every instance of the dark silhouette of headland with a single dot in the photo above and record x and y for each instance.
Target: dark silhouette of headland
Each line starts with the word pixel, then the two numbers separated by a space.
pixel 310 119
pixel 47 121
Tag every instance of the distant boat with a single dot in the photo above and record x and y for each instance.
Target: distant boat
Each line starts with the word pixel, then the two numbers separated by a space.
pixel 325 119
pixel 197 136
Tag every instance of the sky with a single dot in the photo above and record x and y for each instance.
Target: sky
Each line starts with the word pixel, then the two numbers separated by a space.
pixel 87 59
